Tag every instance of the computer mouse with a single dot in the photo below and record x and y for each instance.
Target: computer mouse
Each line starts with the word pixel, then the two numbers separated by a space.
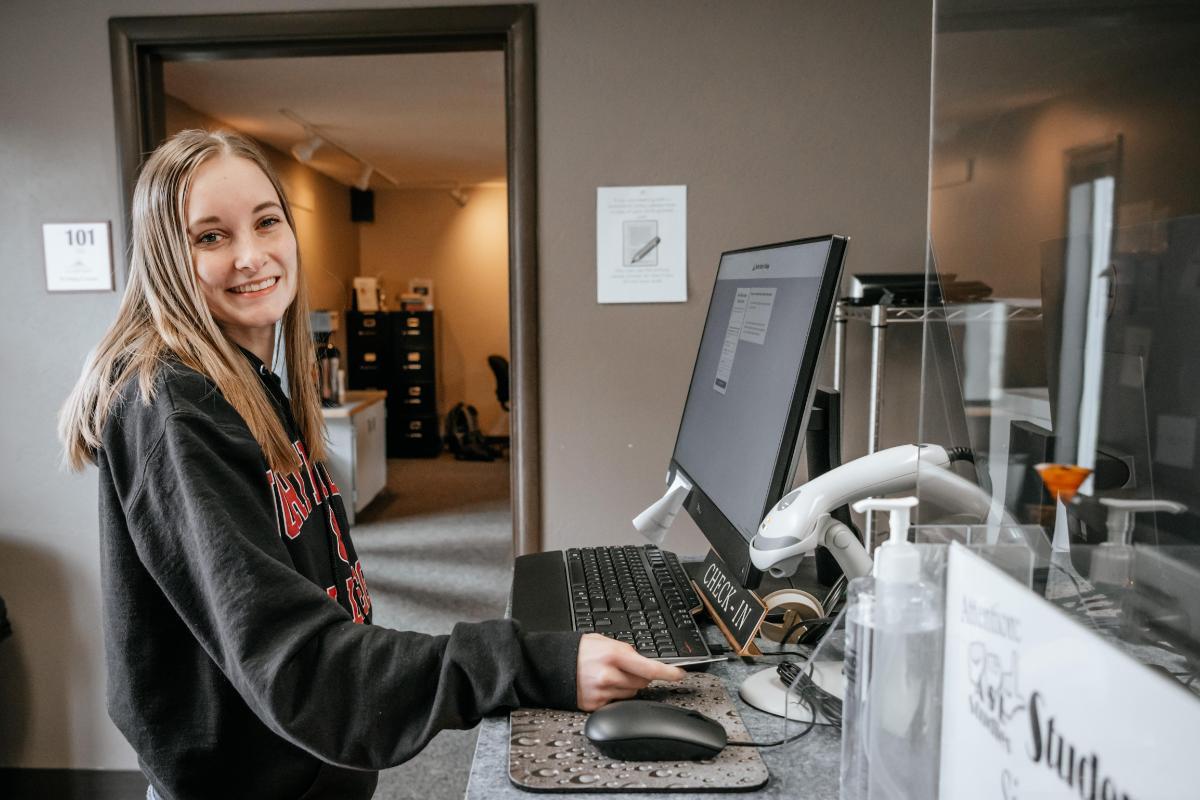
pixel 643 730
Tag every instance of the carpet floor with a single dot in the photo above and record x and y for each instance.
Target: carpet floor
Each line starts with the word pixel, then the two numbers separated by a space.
pixel 436 548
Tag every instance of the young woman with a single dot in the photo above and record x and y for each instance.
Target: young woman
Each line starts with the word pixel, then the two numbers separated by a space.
pixel 241 658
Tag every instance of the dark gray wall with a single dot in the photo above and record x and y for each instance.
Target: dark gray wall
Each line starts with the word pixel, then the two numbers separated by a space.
pixel 783 118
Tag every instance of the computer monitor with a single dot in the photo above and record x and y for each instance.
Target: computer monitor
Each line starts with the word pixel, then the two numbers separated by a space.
pixel 752 386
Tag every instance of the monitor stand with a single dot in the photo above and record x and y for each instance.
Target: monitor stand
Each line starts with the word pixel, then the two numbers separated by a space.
pixel 823 452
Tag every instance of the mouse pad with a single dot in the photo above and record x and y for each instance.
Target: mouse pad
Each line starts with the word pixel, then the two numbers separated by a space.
pixel 547 751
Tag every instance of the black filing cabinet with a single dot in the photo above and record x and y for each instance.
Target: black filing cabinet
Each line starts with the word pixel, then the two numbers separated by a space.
pixel 395 351
pixel 367 351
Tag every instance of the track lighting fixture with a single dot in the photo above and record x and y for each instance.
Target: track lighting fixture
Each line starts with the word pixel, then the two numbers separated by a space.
pixel 364 178
pixel 303 151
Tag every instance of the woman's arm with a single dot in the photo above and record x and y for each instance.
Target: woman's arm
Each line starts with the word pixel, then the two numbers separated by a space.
pixel 202 520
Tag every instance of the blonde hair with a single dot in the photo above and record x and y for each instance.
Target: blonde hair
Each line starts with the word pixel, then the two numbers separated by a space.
pixel 163 313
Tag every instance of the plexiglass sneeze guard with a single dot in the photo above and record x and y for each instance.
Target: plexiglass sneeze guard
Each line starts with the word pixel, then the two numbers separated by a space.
pixel 1061 342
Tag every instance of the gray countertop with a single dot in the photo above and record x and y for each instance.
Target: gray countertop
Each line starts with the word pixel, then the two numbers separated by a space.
pixel 801 770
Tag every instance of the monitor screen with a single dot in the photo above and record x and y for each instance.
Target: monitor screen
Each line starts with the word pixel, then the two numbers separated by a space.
pixel 751 387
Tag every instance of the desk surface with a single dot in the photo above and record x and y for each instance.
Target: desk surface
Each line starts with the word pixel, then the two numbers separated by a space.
pixel 355 401
pixel 802 770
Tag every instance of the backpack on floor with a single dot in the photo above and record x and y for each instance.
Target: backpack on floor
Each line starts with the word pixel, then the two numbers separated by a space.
pixel 463 436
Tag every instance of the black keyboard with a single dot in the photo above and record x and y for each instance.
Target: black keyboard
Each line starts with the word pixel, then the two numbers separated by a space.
pixel 638 595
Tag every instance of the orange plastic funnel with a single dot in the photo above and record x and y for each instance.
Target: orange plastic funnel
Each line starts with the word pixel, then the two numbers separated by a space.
pixel 1062 480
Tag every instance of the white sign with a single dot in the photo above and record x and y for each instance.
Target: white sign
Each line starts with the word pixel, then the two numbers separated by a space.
pixel 78 257
pixel 1037 706
pixel 641 244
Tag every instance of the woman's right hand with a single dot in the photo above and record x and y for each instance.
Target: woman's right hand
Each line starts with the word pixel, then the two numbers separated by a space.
pixel 608 670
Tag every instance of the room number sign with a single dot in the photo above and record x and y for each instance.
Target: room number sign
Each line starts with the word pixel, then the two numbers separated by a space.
pixel 78 256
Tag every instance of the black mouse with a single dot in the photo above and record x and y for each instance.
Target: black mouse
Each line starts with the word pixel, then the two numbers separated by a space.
pixel 643 730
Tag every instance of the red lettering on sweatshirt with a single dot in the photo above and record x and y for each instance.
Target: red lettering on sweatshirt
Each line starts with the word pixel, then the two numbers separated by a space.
pixel 332 592
pixel 330 485
pixel 295 509
pixel 354 608
pixel 337 534
pixel 360 585
pixel 318 488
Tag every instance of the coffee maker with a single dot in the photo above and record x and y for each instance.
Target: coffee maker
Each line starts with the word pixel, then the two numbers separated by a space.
pixel 329 360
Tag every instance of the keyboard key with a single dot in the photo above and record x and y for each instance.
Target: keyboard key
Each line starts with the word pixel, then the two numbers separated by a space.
pixel 613 592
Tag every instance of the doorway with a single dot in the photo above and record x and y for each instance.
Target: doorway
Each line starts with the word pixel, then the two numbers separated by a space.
pixel 142 45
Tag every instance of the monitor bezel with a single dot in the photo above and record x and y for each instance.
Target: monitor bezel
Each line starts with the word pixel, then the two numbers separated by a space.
pixel 712 522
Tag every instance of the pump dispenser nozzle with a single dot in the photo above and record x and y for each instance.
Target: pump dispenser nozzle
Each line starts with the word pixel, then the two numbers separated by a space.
pixel 897 559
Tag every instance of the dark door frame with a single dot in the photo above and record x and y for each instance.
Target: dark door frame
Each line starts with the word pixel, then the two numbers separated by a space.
pixel 140 45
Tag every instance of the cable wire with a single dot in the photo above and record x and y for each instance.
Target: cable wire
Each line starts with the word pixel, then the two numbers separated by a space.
pixel 814 697
pixel 961 454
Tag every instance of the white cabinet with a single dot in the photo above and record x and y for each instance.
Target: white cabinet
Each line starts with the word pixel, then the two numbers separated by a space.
pixel 358 448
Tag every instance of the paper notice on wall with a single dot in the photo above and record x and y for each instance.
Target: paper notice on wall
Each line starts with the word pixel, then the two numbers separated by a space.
pixel 641 244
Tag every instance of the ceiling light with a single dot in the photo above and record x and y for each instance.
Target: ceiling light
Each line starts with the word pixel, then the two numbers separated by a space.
pixel 303 151
pixel 319 138
pixel 459 196
pixel 364 178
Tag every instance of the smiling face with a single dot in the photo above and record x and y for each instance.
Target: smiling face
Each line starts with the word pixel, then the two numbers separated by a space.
pixel 243 250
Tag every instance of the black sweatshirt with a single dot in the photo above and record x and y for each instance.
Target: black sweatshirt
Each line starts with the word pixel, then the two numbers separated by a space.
pixel 241 658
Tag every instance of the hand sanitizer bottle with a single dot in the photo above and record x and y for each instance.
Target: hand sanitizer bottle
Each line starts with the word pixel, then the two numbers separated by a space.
pixel 891 717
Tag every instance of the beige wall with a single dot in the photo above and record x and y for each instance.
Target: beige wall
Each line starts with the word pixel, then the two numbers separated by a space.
pixel 783 119
pixel 423 233
pixel 328 240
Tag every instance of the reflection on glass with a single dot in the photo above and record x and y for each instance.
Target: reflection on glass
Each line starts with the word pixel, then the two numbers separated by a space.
pixel 1066 182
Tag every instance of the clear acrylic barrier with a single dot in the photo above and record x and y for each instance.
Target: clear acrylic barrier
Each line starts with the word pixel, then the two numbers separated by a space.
pixel 824 676
pixel 1119 546
pixel 1064 280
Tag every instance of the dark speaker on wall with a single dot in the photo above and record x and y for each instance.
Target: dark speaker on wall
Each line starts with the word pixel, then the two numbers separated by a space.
pixel 362 205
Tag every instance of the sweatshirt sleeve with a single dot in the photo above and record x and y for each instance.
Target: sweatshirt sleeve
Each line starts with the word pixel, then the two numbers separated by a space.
pixel 362 696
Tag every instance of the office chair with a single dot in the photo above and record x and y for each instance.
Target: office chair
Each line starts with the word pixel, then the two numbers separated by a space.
pixel 499 365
